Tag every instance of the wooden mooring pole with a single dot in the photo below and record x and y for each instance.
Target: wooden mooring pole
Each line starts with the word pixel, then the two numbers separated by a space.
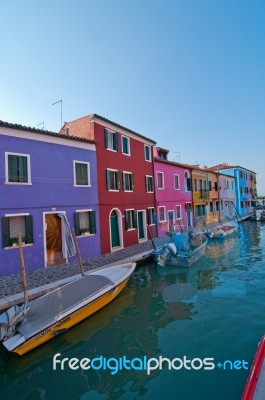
pixel 22 267
pixel 81 266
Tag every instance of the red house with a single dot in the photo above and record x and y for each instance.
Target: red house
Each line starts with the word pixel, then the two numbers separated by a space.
pixel 125 181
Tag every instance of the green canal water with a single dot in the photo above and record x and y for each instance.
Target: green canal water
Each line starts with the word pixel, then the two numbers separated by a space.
pixel 216 310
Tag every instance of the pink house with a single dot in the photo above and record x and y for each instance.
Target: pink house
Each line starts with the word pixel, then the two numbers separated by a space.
pixel 173 193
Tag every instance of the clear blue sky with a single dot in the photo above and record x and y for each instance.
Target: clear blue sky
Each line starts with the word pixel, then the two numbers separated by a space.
pixel 188 74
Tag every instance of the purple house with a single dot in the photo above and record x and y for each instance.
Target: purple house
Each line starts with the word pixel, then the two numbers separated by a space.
pixel 173 193
pixel 48 186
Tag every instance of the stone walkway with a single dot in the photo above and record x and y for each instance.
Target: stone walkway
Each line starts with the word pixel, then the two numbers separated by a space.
pixel 43 280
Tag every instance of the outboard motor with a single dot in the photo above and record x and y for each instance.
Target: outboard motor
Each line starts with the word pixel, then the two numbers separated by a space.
pixel 169 249
pixel 9 320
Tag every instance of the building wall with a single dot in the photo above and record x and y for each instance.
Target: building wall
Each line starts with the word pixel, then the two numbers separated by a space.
pixel 169 197
pixel 138 200
pixel 51 191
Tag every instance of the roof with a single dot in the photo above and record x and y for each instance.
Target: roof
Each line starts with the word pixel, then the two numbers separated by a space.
pixel 103 119
pixel 228 166
pixel 42 132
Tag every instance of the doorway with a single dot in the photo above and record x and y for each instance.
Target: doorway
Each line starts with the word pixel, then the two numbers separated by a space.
pixel 53 235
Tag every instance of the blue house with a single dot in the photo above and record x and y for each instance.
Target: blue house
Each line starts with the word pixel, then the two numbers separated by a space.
pixel 48 186
pixel 245 187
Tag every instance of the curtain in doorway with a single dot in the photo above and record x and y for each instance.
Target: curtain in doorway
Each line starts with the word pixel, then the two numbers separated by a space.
pixel 70 244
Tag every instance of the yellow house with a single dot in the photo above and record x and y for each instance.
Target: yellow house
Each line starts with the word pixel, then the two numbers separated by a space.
pixel 213 204
pixel 200 195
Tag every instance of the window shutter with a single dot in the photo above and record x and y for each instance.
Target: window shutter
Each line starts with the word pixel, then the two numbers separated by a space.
pixel 77 223
pixel 115 141
pixel 106 138
pixel 93 228
pixel 149 218
pixel 108 179
pixel 118 178
pixel 123 181
pixel 126 220
pixel 134 218
pixel 5 231
pixel 29 228
pixel 132 180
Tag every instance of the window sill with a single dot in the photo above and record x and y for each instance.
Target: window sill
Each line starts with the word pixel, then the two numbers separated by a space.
pixel 82 186
pixel 17 246
pixel 19 183
pixel 85 235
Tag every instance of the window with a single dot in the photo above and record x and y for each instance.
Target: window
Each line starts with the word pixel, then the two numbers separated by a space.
pixel 17 168
pixel 210 186
pixel 151 217
pixel 211 206
pixel 215 186
pixel 81 173
pixel 232 185
pixel 160 180
pixel 14 225
pixel 162 213
pixel 178 212
pixel 176 182
pixel 147 152
pixel 196 185
pixel 130 219
pixel 85 222
pixel 187 181
pixel 149 184
pixel 128 181
pixel 111 140
pixel 125 141
pixel 200 210
pixel 217 205
pixel 113 179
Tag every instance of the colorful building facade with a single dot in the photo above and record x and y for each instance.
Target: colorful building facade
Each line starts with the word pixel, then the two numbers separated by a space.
pixel 173 194
pixel 48 185
pixel 125 181
pixel 244 184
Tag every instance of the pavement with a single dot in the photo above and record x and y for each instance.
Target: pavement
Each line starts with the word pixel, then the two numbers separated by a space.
pixel 43 280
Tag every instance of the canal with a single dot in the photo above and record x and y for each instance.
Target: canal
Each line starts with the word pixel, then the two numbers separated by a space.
pixel 204 322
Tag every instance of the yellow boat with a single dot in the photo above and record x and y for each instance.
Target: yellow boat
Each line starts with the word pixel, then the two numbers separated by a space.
pixel 24 329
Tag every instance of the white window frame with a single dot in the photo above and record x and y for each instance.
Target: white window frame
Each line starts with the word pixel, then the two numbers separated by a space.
pixel 129 145
pixel 111 134
pixel 88 173
pixel 164 212
pixel 146 181
pixel 131 210
pixel 163 180
pixel 178 207
pixel 150 155
pixel 123 180
pixel 153 222
pixel 7 153
pixel 176 188
pixel 86 211
pixel 117 183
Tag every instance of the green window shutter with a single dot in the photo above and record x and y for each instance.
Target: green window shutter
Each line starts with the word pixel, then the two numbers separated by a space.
pixel 126 220
pixel 132 180
pixel 108 179
pixel 134 219
pixel 5 232
pixel 77 223
pixel 12 168
pixel 106 138
pixel 115 141
pixel 29 228
pixel 123 181
pixel 23 169
pixel 149 217
pixel 118 180
pixel 92 216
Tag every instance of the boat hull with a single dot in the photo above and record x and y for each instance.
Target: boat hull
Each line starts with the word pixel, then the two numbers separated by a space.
pixel 183 260
pixel 97 290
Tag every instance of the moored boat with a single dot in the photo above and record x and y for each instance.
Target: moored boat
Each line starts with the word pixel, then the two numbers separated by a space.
pixel 255 385
pixel 183 250
pixel 27 327
pixel 222 231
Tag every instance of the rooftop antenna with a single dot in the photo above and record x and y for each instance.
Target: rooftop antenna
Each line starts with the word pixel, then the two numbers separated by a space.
pixel 42 123
pixel 60 101
pixel 177 156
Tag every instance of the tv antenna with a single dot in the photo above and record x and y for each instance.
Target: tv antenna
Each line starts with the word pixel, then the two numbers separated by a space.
pixel 42 123
pixel 60 101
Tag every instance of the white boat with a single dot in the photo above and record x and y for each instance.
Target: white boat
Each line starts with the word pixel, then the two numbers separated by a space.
pixel 24 328
pixel 222 231
pixel 183 250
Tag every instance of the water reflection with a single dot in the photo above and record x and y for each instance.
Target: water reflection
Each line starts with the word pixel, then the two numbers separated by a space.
pixel 161 311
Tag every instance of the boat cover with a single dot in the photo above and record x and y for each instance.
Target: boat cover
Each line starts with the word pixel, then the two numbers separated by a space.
pixel 46 310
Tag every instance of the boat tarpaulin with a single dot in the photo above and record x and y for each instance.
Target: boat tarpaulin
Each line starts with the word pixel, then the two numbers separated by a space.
pixel 70 244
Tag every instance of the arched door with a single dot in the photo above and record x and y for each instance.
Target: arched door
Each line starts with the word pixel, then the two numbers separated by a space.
pixel 114 228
